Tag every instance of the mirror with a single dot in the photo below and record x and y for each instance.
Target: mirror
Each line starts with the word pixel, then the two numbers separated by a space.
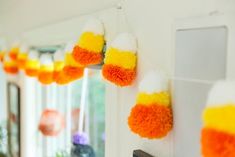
pixel 13 120
pixel 200 60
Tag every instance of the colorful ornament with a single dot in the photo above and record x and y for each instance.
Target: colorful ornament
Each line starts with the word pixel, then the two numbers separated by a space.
pixel 22 57
pixel 51 122
pixel 10 66
pixel 72 70
pixel 58 63
pixel 120 60
pixel 152 117
pixel 88 50
pixel 46 72
pixel 32 64
pixel 218 133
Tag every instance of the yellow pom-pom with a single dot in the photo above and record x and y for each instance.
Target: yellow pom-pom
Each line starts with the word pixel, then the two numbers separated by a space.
pixel 221 118
pixel 92 42
pixel 162 98
pixel 125 59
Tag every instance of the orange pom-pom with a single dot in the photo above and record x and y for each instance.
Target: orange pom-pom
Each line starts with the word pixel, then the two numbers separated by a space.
pixel 72 72
pixel 217 143
pixel 62 78
pixel 51 122
pixel 31 72
pixel 68 74
pixel 118 75
pixel 46 77
pixel 11 69
pixel 56 74
pixel 151 121
pixel 85 57
pixel 13 55
pixel 21 63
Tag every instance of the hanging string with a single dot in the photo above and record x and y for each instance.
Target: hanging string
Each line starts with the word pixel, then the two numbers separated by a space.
pixel 83 100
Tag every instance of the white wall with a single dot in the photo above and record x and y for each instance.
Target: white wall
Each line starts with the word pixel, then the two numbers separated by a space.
pixel 151 21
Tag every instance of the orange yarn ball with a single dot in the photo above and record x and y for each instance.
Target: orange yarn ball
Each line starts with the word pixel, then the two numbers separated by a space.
pixel 85 57
pixel 72 72
pixel 151 121
pixel 118 75
pixel 46 77
pixel 13 55
pixel 31 72
pixel 62 79
pixel 217 143
pixel 68 74
pixel 11 70
pixel 21 63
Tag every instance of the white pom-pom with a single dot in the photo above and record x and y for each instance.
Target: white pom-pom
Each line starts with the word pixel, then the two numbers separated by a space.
pixel 34 55
pixel 154 82
pixel 125 42
pixel 59 55
pixel 46 59
pixel 222 93
pixel 95 26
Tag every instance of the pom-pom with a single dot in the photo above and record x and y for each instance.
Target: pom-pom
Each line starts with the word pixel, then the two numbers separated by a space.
pixel 32 64
pixel 22 57
pixel 2 54
pixel 120 61
pixel 221 118
pixel 58 63
pixel 151 121
pixel 217 143
pixel 218 133
pixel 51 122
pixel 85 57
pixel 222 93
pixel 14 52
pixel 80 138
pixel 10 66
pixel 71 70
pixel 46 72
pixel 119 75
pixel 88 50
pixel 152 116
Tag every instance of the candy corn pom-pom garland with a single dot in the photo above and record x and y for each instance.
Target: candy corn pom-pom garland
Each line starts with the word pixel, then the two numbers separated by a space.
pixel 71 70
pixel 58 63
pixel 218 133
pixel 10 66
pixel 51 122
pixel 120 60
pixel 88 50
pixel 22 57
pixel 32 64
pixel 152 116
pixel 46 71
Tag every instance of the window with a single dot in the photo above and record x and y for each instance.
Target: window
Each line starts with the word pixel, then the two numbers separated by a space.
pixel 67 100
